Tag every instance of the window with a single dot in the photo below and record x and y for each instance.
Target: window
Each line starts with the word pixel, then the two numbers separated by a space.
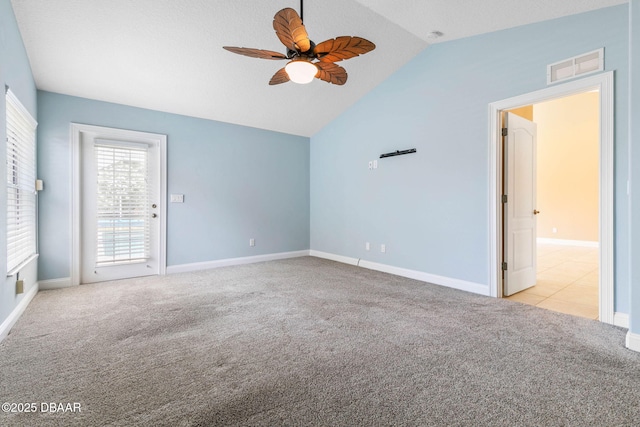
pixel 123 203
pixel 21 179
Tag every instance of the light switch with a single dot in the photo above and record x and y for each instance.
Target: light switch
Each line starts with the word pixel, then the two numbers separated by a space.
pixel 177 198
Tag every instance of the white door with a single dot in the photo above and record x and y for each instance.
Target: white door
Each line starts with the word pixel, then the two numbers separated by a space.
pixel 120 208
pixel 520 207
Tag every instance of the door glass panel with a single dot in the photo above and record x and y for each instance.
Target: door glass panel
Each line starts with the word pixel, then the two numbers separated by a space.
pixel 122 204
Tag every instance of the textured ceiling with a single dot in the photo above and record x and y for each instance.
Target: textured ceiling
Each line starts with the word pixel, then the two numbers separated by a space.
pixel 167 55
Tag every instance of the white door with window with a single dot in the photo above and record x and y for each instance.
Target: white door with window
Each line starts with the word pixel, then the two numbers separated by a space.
pixel 121 206
pixel 520 208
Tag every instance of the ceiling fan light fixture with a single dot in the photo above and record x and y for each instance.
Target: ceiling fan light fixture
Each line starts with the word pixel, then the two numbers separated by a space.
pixel 301 72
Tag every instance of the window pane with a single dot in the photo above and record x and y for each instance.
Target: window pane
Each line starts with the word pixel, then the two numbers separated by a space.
pixel 123 204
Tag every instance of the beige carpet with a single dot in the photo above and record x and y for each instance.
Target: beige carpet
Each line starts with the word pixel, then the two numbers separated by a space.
pixel 310 342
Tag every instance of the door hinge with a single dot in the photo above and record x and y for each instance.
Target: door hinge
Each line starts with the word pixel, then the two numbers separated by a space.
pixel 504 266
pixel 504 198
pixel 505 132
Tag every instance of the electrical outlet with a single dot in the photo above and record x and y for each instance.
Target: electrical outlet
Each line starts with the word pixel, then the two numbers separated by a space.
pixel 367 246
pixel 370 165
pixel 177 198
pixel 19 286
pixel 554 230
pixel 252 242
pixel 383 248
pixel 375 164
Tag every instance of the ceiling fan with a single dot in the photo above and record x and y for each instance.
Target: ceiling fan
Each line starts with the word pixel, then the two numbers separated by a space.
pixel 307 59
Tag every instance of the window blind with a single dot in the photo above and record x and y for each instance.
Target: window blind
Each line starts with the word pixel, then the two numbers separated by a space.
pixel 122 203
pixel 21 178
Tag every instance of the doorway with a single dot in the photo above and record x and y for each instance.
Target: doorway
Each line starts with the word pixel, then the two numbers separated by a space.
pixel 119 204
pixel 565 207
pixel 603 84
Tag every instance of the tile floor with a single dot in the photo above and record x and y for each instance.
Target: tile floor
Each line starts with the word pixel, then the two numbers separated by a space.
pixel 567 281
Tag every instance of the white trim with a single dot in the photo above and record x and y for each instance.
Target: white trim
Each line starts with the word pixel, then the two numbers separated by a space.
pixel 448 282
pixel 604 83
pixel 633 341
pixel 206 265
pixel 75 203
pixel 334 257
pixel 47 285
pixel 11 320
pixel 163 204
pixel 564 242
pixel 621 320
pixel 76 131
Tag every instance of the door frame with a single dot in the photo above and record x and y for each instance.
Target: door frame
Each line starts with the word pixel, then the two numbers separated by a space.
pixel 603 82
pixel 78 131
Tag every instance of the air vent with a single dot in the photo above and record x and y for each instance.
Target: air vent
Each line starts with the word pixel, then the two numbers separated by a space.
pixel 580 65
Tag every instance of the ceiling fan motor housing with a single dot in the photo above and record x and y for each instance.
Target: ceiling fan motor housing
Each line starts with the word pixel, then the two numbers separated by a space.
pixel 292 53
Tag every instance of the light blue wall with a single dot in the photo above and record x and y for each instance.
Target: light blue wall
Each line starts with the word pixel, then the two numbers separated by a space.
pixel 431 208
pixel 15 72
pixel 239 183
pixel 634 295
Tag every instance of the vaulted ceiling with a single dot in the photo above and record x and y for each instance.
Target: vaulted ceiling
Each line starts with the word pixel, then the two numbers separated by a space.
pixel 167 55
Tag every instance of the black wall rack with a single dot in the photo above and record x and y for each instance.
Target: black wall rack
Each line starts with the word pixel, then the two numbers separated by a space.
pixel 398 153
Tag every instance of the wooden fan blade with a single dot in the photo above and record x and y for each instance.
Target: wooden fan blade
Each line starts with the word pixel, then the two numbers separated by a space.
pixel 255 53
pixel 279 77
pixel 344 47
pixel 291 31
pixel 331 73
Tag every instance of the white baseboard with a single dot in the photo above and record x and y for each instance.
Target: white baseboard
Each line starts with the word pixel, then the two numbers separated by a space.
pixel 17 312
pixel 448 282
pixel 197 266
pixel 621 320
pixel 334 257
pixel 633 341
pixel 563 242
pixel 47 285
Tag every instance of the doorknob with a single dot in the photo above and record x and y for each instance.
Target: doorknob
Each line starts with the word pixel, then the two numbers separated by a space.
pixel 536 212
pixel 154 215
